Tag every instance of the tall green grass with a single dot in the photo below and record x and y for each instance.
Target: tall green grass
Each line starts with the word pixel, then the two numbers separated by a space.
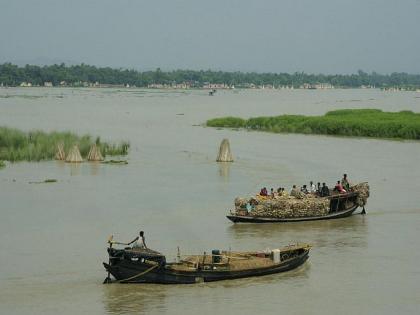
pixel 16 145
pixel 345 122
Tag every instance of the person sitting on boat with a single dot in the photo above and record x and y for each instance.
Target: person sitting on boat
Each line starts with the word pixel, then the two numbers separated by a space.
pixel 264 192
pixel 345 182
pixel 318 188
pixel 272 193
pixel 249 206
pixel 312 188
pixel 325 191
pixel 338 187
pixel 281 192
pixel 304 189
pixel 294 192
pixel 139 242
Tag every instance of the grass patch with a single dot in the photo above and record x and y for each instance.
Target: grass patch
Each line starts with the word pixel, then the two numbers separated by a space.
pixel 16 145
pixel 232 122
pixel 345 122
pixel 46 181
pixel 115 162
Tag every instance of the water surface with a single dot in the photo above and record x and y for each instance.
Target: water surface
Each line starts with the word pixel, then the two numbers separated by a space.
pixel 53 236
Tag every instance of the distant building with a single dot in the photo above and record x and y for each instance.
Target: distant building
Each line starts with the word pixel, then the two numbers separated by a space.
pixel 216 86
pixel 321 86
pixel 26 84
pixel 48 84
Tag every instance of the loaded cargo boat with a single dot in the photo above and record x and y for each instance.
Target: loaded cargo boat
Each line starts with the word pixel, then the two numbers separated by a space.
pixel 140 265
pixel 306 207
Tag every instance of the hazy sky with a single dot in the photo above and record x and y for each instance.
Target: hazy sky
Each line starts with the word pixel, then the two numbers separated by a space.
pixel 315 36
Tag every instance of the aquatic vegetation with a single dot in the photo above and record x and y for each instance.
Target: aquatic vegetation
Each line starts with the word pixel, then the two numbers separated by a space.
pixel 344 122
pixel 46 181
pixel 2 164
pixel 115 162
pixel 231 122
pixel 16 145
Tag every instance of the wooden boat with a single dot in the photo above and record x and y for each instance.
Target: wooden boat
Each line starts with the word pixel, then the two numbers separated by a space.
pixel 135 265
pixel 341 206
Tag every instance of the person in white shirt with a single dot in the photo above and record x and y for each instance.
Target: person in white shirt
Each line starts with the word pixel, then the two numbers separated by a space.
pixel 139 242
pixel 312 187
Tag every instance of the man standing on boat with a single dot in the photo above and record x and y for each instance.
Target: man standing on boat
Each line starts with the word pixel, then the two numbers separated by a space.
pixel 345 182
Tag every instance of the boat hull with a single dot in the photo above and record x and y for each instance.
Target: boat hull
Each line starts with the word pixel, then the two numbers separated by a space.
pixel 126 270
pixel 253 219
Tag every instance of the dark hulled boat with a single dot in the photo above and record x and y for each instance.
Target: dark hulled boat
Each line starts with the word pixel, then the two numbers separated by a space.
pixel 131 265
pixel 340 206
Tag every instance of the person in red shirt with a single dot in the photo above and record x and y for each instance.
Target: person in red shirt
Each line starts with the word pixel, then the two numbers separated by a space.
pixel 338 187
pixel 264 192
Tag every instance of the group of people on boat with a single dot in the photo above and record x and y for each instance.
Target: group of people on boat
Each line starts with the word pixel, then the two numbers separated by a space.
pixel 341 187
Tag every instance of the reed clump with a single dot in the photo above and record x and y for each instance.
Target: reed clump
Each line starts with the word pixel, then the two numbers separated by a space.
pixel 17 145
pixel 345 122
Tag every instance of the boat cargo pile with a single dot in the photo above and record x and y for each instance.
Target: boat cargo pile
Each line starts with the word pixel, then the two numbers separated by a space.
pixel 285 206
pixel 302 206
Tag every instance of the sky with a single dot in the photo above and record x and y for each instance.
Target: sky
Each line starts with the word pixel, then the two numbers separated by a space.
pixel 323 36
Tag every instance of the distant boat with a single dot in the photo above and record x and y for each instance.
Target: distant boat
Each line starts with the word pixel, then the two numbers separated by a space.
pixel 340 206
pixel 133 265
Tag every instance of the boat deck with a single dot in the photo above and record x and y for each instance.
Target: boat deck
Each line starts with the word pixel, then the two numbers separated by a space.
pixel 232 263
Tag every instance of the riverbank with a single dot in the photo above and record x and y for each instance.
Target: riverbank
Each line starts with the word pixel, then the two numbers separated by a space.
pixel 344 122
pixel 16 145
pixel 91 76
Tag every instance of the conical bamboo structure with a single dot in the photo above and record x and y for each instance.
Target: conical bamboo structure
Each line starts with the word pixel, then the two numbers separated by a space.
pixel 60 154
pixel 224 152
pixel 74 155
pixel 95 154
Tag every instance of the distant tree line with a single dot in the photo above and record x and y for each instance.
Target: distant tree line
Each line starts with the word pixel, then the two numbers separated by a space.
pixel 13 75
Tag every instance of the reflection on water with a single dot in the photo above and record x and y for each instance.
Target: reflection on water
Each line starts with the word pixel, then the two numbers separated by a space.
pixel 94 167
pixel 146 298
pixel 133 298
pixel 296 275
pixel 75 168
pixel 350 231
pixel 224 169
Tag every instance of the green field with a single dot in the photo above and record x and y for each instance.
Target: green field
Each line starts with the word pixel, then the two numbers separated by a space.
pixel 344 122
pixel 16 145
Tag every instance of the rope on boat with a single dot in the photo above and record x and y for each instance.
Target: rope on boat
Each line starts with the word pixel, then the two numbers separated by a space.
pixel 139 274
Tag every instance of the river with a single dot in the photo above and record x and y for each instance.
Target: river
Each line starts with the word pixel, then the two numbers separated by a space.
pixel 53 236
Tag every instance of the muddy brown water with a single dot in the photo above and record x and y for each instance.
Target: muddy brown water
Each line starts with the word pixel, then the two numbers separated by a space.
pixel 53 236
